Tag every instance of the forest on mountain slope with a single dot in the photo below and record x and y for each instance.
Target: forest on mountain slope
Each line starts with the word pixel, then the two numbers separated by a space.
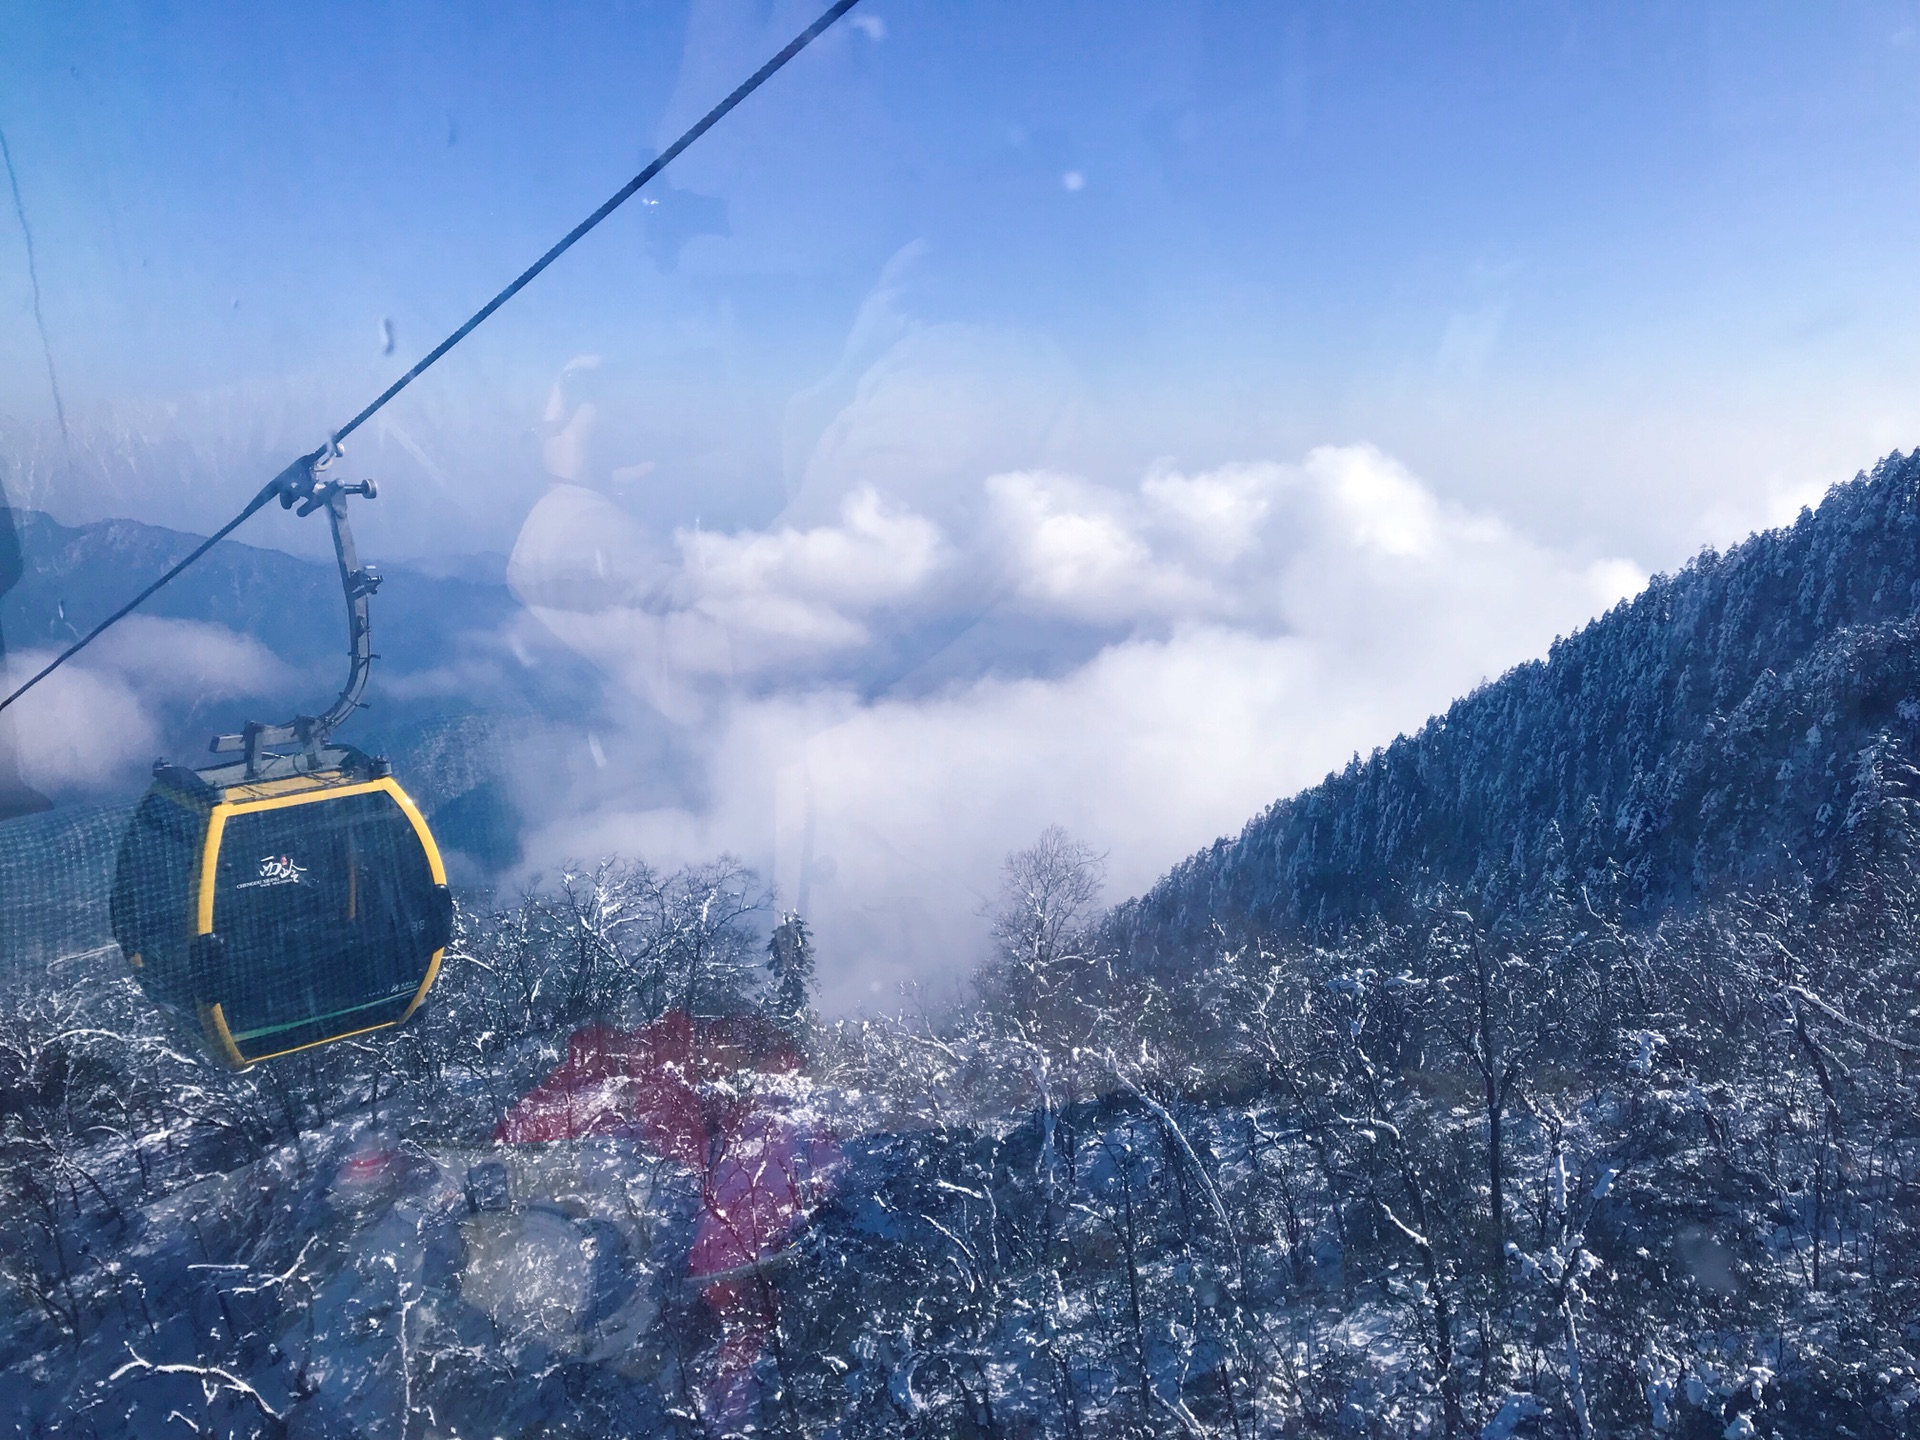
pixel 1555 1072
pixel 1717 729
pixel 1572 1179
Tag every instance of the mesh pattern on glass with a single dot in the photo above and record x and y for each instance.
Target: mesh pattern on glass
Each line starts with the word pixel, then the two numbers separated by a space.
pixel 55 870
pixel 326 920
pixel 325 914
pixel 155 884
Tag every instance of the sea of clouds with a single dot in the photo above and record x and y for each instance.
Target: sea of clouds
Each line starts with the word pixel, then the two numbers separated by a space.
pixel 938 650
pixel 956 632
pixel 97 724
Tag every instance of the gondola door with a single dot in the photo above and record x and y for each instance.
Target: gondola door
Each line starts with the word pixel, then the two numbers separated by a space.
pixel 323 913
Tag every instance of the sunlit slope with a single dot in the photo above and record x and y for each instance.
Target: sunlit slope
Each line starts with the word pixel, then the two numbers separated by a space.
pixel 1747 720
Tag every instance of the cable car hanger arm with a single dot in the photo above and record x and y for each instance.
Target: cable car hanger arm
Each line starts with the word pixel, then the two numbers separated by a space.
pixel 301 484
pixel 299 480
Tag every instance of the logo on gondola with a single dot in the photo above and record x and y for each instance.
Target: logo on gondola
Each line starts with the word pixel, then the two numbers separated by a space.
pixel 275 870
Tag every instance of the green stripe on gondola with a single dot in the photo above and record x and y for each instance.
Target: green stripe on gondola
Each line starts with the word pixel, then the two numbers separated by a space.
pixel 316 1019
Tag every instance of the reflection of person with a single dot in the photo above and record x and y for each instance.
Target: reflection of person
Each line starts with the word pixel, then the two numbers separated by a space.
pixel 592 574
pixel 16 796
pixel 685 1088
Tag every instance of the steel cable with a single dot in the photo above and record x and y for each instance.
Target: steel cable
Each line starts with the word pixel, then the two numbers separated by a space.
pixel 620 197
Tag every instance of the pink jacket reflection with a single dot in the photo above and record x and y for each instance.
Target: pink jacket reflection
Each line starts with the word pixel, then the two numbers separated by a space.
pixel 761 1168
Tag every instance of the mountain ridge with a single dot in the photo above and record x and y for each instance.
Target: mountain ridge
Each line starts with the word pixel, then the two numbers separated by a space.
pixel 62 591
pixel 1729 725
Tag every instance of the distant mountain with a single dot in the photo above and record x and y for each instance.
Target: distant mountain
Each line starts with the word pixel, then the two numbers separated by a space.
pixel 458 689
pixel 1743 721
pixel 74 576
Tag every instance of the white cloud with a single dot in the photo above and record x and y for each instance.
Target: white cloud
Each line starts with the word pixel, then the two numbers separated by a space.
pixel 1235 544
pixel 1158 744
pixel 1221 513
pixel 719 608
pixel 808 585
pixel 953 637
pixel 1083 551
pixel 91 722
pixel 1382 506
pixel 188 659
pixel 1252 626
pixel 79 727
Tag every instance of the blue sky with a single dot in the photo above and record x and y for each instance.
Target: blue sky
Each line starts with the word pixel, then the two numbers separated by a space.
pixel 1108 414
pixel 1625 273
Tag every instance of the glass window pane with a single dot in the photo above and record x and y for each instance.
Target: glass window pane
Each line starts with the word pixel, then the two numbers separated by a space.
pixel 155 888
pixel 324 912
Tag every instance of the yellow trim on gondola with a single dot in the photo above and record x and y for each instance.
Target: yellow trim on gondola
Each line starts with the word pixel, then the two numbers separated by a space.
pixel 209 861
pixel 433 973
pixel 314 1044
pixel 217 824
pixel 331 782
pixel 278 795
pixel 214 1021
pixel 435 867
pixel 438 870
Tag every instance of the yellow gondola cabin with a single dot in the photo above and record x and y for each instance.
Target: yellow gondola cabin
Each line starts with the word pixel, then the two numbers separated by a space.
pixel 282 913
